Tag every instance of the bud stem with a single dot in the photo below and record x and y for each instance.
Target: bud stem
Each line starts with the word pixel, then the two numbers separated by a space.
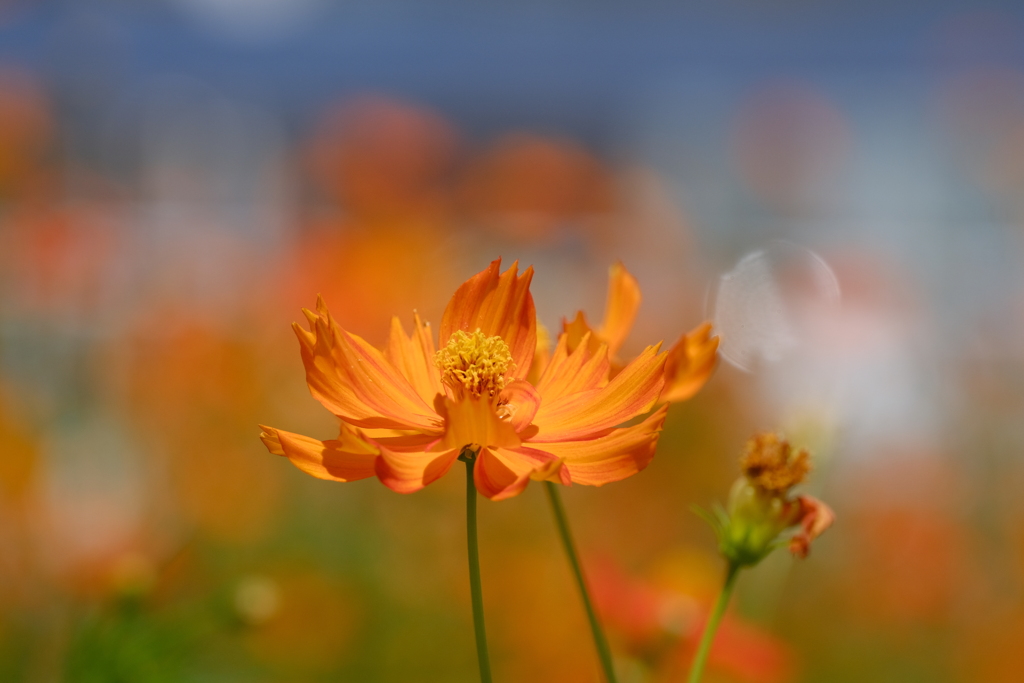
pixel 712 626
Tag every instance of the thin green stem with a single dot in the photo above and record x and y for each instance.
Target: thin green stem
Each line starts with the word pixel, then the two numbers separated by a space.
pixel 697 670
pixel 600 642
pixel 474 572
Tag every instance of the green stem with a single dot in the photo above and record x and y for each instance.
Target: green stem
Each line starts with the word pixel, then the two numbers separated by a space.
pixel 709 630
pixel 474 572
pixel 603 652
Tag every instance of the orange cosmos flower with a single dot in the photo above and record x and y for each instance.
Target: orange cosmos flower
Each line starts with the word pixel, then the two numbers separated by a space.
pixel 690 361
pixel 408 411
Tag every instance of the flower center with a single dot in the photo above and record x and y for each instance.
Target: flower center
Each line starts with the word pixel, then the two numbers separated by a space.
pixel 771 464
pixel 475 363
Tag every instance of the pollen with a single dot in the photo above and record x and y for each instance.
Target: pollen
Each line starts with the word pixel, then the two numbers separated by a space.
pixel 771 464
pixel 474 363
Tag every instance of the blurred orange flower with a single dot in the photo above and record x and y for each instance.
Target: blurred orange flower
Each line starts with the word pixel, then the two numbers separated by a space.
pixel 532 189
pixel 408 412
pixel 661 626
pixel 690 361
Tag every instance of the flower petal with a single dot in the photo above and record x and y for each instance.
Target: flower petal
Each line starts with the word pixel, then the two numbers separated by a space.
pixel 690 363
pixel 356 382
pixel 475 422
pixel 542 356
pixel 347 458
pixel 498 305
pixel 520 401
pixel 553 471
pixel 620 310
pixel 501 473
pixel 814 518
pixel 620 307
pixel 618 454
pixel 583 415
pixel 413 356
pixel 402 442
pixel 406 471
pixel 574 371
pixel 576 331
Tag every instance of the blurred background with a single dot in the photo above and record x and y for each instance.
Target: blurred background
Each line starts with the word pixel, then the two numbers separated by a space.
pixel 838 185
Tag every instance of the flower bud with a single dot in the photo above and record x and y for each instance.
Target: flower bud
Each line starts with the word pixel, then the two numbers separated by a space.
pixel 760 508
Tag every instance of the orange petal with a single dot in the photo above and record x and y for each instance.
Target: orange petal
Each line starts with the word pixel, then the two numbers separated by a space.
pixel 576 331
pixel 620 308
pixel 581 416
pixel 571 372
pixel 413 356
pixel 347 458
pixel 618 454
pixel 553 471
pixel 542 356
pixel 501 473
pixel 401 442
pixel 476 422
pixel 375 435
pixel 356 382
pixel 814 517
pixel 520 401
pixel 497 305
pixel 690 363
pixel 409 471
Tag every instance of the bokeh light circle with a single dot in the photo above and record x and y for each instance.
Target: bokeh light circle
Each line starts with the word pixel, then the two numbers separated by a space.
pixel 769 305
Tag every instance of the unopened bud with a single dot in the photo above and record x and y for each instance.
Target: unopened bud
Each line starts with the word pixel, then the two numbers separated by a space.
pixel 760 508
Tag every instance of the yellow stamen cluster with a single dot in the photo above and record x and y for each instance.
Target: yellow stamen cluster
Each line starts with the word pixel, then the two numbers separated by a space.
pixel 771 465
pixel 475 363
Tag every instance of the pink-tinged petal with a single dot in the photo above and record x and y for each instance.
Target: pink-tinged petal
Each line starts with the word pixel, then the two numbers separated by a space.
pixel 347 458
pixel 498 305
pixel 494 478
pixel 520 402
pixel 413 356
pixel 356 382
pixel 581 416
pixel 409 470
pixel 814 518
pixel 620 308
pixel 618 454
pixel 574 371
pixel 691 360
pixel 501 473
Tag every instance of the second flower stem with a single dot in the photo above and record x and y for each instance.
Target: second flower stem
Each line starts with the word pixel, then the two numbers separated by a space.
pixel 474 572
pixel 697 670
pixel 603 652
